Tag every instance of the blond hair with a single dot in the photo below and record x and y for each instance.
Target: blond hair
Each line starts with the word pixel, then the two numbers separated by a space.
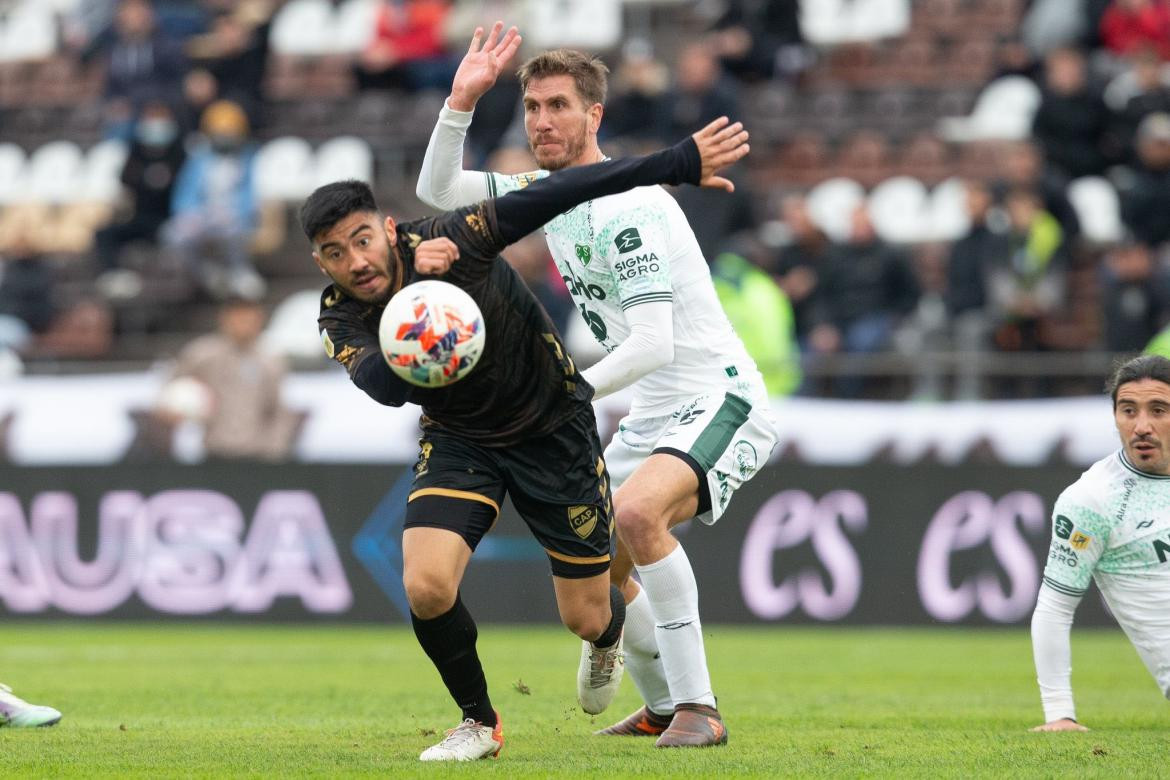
pixel 589 73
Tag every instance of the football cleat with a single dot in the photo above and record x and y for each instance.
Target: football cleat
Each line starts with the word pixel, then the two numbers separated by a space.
pixel 694 725
pixel 643 723
pixel 15 712
pixel 598 675
pixel 469 741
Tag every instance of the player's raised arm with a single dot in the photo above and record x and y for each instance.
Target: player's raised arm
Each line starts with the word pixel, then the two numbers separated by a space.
pixel 442 182
pixel 695 160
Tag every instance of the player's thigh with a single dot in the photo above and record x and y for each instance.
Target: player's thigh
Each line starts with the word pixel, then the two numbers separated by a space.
pixel 560 487
pixel 723 439
pixel 455 498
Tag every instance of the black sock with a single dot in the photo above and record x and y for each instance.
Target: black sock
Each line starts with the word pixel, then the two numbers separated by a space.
pixel 617 618
pixel 449 641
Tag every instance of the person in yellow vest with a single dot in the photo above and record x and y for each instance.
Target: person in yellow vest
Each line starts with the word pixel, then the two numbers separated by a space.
pixel 762 315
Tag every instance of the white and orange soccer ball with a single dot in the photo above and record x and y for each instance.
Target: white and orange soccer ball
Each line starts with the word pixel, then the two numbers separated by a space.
pixel 431 333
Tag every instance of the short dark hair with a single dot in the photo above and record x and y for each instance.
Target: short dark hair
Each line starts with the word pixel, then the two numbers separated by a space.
pixel 588 73
pixel 331 203
pixel 1153 367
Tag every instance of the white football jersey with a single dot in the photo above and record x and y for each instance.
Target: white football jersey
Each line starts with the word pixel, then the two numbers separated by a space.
pixel 1113 526
pixel 637 247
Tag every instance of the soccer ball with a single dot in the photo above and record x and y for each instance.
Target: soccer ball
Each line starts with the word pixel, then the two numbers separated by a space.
pixel 431 333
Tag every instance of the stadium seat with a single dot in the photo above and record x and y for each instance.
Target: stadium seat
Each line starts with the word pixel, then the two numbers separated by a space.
pixel 284 169
pixel 1098 209
pixel 345 157
pixel 947 218
pixel 103 171
pixel 831 204
pixel 354 26
pixel 827 22
pixel 55 173
pixel 12 171
pixel 30 32
pixel 581 24
pixel 898 208
pixel 292 328
pixel 1003 111
pixel 302 28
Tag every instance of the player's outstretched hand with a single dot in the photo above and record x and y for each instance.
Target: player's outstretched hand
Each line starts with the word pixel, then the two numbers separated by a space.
pixel 720 144
pixel 435 256
pixel 1064 724
pixel 481 66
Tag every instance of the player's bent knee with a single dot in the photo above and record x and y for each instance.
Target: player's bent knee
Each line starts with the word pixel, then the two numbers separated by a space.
pixel 587 625
pixel 638 522
pixel 429 596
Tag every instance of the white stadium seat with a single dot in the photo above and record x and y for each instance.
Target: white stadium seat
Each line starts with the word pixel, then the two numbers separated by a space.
pixel 103 171
pixel 302 28
pixel 284 169
pixel 831 204
pixel 1098 209
pixel 948 219
pixel 898 208
pixel 292 328
pixel 55 173
pixel 30 33
pixel 582 24
pixel 353 26
pixel 827 22
pixel 344 157
pixel 1003 111
pixel 12 173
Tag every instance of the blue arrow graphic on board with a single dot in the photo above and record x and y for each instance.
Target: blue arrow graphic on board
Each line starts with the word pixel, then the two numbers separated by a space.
pixel 377 545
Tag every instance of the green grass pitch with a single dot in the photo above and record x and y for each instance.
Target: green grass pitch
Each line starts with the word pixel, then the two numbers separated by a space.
pixel 324 701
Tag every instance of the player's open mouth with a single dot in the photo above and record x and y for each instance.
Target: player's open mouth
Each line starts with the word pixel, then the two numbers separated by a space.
pixel 1145 447
pixel 366 282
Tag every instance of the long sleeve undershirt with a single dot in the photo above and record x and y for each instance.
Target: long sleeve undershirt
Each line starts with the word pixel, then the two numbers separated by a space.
pixel 1052 651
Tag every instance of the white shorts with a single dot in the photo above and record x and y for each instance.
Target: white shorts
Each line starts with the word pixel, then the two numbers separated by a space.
pixel 725 437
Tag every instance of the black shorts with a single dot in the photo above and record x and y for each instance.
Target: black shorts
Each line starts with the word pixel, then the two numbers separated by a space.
pixel 558 484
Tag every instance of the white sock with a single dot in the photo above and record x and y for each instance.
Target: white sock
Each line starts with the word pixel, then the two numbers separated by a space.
pixel 674 599
pixel 643 663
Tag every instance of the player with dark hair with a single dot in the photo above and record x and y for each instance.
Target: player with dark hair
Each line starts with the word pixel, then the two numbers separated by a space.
pixel 520 424
pixel 1112 526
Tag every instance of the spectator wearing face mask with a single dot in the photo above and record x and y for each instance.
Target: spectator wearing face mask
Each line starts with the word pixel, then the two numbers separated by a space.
pixel 214 206
pixel 148 178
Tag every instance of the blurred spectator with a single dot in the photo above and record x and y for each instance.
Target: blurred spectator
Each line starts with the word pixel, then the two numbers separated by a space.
pixel 1144 204
pixel 148 177
pixel 866 289
pixel 1151 94
pixel 531 259
pixel 1132 24
pixel 1026 284
pixel 26 298
pixel 1135 297
pixel 980 249
pixel 637 108
pixel 762 317
pixel 761 39
pixel 140 61
pixel 717 217
pixel 1072 120
pixel 214 202
pixel 247 418
pixel 407 50
pixel 801 262
pixel 701 92
pixel 1023 166
pixel 235 52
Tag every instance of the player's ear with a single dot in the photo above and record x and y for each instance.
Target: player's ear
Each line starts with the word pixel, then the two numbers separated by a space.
pixel 391 230
pixel 317 260
pixel 595 112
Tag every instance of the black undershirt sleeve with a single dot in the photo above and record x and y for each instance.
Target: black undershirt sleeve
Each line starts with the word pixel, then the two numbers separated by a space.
pixel 520 212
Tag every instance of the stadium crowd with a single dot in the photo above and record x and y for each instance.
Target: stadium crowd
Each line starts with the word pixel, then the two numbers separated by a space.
pixel 967 178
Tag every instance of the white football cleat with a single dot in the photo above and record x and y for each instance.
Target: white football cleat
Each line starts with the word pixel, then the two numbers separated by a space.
pixel 15 712
pixel 469 741
pixel 599 675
